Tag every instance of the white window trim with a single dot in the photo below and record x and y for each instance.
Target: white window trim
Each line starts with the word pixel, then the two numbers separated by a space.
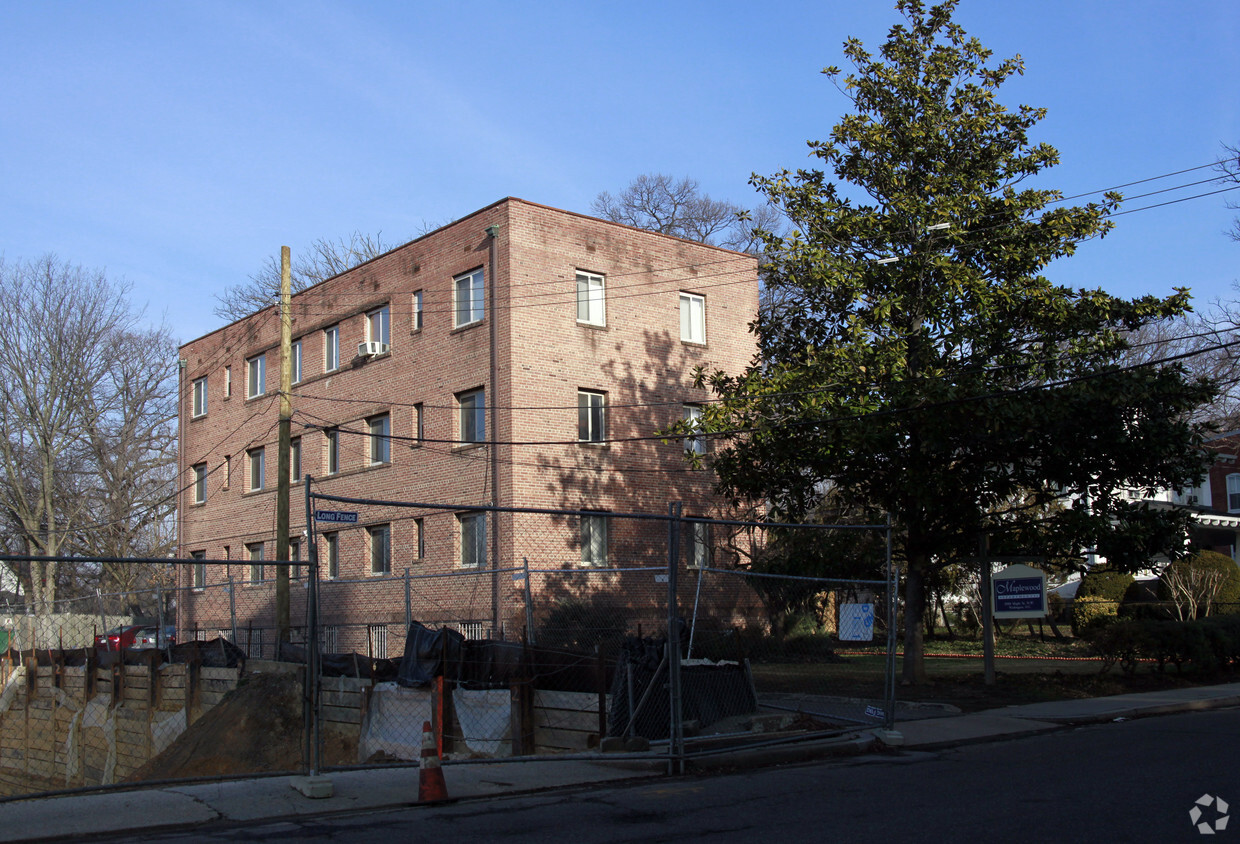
pixel 1233 488
pixel 294 460
pixel 380 319
pixel 331 555
pixel 417 310
pixel 479 412
pixel 296 361
pixel 691 414
pixel 594 530
pixel 331 453
pixel 258 469
pixel 689 325
pixel 331 348
pixel 587 416
pixel 591 298
pixel 386 562
pixel 200 483
pixel 199 407
pixel 256 563
pixel 256 376
pixel 198 573
pixel 479 520
pixel 476 285
pixel 379 441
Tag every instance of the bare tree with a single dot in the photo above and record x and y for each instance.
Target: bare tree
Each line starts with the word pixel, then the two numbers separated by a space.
pixel 326 258
pixel 1229 173
pixel 660 203
pixel 72 346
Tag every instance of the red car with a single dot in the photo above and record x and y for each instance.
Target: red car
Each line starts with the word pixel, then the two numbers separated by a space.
pixel 118 638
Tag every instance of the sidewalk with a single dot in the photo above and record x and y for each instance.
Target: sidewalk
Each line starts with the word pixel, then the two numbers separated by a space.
pixel 270 798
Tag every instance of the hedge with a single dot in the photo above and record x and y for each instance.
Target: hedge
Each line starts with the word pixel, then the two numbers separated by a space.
pixel 1206 646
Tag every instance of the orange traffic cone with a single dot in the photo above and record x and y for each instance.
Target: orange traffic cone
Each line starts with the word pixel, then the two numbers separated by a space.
pixel 431 787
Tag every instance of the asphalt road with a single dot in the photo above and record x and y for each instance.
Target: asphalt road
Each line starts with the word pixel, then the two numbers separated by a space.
pixel 1129 781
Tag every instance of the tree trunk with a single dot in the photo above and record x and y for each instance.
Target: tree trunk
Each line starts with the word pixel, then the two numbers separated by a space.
pixel 914 667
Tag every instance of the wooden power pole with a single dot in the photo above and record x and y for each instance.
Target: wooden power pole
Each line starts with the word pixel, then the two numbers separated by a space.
pixel 285 446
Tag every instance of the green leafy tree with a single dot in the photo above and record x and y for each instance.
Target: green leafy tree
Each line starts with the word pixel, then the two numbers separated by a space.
pixel 930 369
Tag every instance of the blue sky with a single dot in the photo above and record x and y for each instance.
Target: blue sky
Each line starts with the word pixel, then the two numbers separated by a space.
pixel 177 145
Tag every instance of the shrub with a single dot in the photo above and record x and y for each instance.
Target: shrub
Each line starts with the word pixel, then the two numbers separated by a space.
pixel 1202 584
pixel 1092 611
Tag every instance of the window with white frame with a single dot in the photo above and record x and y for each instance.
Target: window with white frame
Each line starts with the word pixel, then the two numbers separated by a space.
pixel 693 420
pixel 255 553
pixel 473 423
pixel 227 382
pixel 473 540
pixel 200 397
pixel 591 304
pixel 294 460
pixel 379 537
pixel 1233 493
pixel 331 553
pixel 692 318
pixel 467 298
pixel 417 310
pixel 331 348
pixel 200 569
pixel 594 539
pixel 701 545
pixel 296 361
pixel 380 436
pixel 258 468
pixel 294 556
pixel 591 416
pixel 256 376
pixel 331 448
pixel 377 325
pixel 200 483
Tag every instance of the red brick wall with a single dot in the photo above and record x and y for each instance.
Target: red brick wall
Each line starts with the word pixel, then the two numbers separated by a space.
pixel 544 357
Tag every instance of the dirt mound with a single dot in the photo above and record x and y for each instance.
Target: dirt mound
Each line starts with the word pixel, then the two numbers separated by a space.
pixel 257 728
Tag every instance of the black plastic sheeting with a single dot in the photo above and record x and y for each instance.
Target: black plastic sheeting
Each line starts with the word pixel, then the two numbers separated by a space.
pixel 709 693
pixel 426 652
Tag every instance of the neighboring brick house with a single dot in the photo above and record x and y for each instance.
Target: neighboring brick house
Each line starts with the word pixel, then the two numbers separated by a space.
pixel 408 365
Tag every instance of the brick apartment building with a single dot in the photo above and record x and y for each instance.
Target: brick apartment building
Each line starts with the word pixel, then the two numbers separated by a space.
pixel 521 356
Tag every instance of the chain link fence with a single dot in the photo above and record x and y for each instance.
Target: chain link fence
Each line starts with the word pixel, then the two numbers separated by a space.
pixel 598 632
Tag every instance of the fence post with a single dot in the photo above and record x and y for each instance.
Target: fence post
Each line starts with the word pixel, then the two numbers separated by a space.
pixel 893 588
pixel 313 749
pixel 676 759
pixel 408 603
pixel 529 604
pixel 232 609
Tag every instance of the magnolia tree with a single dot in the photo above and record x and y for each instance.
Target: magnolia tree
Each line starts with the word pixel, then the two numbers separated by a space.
pixel 929 369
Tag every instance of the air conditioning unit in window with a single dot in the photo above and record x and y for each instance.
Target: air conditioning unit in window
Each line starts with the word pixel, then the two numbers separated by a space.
pixel 371 348
pixel 1191 499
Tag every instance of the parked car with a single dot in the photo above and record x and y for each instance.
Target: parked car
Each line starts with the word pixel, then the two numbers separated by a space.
pixel 151 637
pixel 118 638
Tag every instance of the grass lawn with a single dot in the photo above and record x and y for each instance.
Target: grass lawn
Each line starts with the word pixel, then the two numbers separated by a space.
pixel 1027 671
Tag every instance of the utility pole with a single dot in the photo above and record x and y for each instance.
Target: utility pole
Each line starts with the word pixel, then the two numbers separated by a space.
pixel 282 461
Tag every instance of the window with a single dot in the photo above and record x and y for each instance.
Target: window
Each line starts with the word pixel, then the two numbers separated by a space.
pixel 418 432
pixel 296 361
pixel 227 471
pixel 294 460
pixel 255 553
pixel 473 540
pixel 380 537
pixel 227 382
pixel 594 540
pixel 258 472
pixel 701 545
pixel 473 416
pixel 200 397
pixel 294 556
pixel 1233 493
pixel 377 322
pixel 692 318
pixel 331 348
pixel 200 483
pixel 693 419
pixel 417 310
pixel 256 376
pixel 380 438
pixel 419 530
pixel 590 303
pixel 467 291
pixel 331 458
pixel 331 553
pixel 200 569
pixel 591 416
